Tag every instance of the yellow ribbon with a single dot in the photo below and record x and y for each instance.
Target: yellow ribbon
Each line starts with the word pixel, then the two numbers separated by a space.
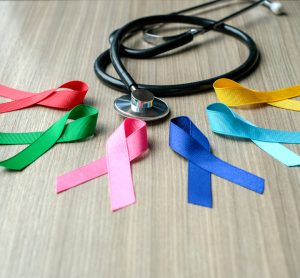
pixel 233 94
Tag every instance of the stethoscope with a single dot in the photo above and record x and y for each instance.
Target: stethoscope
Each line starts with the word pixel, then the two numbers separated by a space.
pixel 141 100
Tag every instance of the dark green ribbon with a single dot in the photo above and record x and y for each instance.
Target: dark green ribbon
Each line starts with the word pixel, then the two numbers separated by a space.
pixel 83 126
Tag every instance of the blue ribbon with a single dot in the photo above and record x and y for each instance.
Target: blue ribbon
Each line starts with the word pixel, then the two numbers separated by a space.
pixel 188 141
pixel 226 122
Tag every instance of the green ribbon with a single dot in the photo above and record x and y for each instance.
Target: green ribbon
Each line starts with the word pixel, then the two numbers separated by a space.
pixel 83 126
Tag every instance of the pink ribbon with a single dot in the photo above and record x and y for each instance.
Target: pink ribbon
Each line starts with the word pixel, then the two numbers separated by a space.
pixel 128 142
pixel 66 96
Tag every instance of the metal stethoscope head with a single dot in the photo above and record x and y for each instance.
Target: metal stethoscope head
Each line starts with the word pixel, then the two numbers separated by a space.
pixel 141 103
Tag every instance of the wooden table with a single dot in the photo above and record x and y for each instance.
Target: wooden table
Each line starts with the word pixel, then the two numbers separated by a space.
pixel 75 234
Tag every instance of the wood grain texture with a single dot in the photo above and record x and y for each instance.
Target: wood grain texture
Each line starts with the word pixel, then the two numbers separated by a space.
pixel 45 43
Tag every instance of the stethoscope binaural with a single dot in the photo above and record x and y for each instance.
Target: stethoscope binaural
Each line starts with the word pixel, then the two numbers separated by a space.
pixel 142 100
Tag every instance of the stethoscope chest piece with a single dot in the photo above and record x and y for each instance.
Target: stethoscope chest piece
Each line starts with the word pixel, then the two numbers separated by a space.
pixel 141 104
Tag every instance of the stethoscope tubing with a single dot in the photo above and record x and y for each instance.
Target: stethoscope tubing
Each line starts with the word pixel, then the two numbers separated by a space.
pixel 117 50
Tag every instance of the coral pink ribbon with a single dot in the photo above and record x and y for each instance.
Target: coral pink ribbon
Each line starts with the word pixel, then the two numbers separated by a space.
pixel 128 142
pixel 65 96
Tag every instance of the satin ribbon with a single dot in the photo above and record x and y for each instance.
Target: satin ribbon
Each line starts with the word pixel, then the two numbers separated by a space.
pixel 83 126
pixel 188 141
pixel 128 142
pixel 233 94
pixel 66 97
pixel 224 121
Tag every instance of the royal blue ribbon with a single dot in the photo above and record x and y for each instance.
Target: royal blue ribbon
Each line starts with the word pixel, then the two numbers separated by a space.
pixel 188 141
pixel 225 121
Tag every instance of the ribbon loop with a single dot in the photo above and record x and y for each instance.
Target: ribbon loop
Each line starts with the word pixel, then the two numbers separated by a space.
pixel 224 121
pixel 127 143
pixel 83 126
pixel 188 141
pixel 66 96
pixel 233 94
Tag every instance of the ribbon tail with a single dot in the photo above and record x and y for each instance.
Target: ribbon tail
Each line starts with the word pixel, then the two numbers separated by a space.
pixel 199 186
pixel 279 152
pixel 23 103
pixel 199 180
pixel 119 170
pixel 81 175
pixel 37 148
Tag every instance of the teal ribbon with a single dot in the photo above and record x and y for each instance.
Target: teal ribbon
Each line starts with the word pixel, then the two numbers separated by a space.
pixel 83 126
pixel 224 121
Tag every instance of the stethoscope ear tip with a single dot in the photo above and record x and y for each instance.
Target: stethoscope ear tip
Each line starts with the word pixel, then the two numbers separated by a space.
pixel 277 8
pixel 146 109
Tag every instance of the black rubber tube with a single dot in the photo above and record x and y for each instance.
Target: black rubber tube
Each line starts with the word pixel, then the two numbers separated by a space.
pixel 117 50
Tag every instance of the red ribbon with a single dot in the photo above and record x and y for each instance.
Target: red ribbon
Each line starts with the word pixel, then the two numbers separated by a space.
pixel 66 97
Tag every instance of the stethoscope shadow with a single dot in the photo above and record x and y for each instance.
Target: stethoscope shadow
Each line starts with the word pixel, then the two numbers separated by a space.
pixel 160 121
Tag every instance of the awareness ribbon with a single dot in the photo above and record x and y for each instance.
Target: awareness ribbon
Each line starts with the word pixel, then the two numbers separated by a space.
pixel 66 97
pixel 188 141
pixel 226 122
pixel 128 142
pixel 233 94
pixel 83 126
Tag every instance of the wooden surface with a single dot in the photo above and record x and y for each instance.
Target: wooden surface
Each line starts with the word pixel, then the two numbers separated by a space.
pixel 74 234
